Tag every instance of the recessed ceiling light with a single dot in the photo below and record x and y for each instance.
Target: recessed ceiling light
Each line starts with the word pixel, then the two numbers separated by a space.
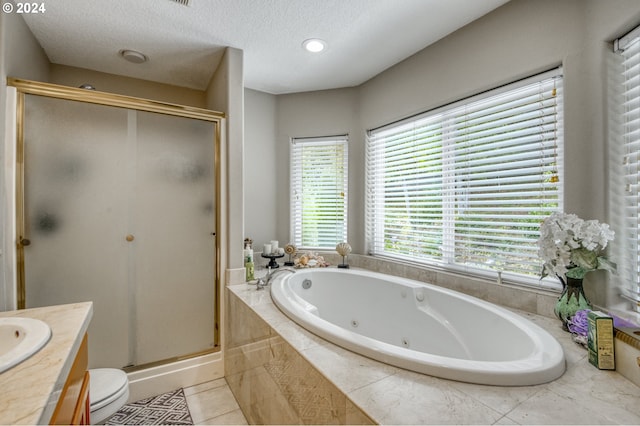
pixel 314 45
pixel 133 56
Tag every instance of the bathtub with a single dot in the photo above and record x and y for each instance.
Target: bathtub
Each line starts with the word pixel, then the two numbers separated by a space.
pixel 419 327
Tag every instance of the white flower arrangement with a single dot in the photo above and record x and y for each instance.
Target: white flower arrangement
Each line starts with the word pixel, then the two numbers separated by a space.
pixel 571 246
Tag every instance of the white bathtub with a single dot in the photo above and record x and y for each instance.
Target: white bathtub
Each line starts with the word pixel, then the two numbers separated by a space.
pixel 420 327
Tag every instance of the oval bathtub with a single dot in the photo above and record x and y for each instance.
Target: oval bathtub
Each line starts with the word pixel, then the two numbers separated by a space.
pixel 420 327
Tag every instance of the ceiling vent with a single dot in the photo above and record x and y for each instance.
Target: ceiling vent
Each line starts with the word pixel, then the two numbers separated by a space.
pixel 182 2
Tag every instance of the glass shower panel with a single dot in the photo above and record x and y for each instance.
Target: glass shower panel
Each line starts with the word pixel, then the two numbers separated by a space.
pixel 76 217
pixel 174 241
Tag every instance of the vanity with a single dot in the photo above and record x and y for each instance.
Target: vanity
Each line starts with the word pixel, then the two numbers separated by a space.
pixel 52 385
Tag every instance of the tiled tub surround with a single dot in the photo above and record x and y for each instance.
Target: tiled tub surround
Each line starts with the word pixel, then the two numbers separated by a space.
pixel 281 373
pixel 269 377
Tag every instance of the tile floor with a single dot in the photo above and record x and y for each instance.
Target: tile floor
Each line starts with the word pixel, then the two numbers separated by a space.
pixel 212 403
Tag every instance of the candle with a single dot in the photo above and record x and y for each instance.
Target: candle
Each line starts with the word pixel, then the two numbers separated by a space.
pixel 274 246
pixel 266 249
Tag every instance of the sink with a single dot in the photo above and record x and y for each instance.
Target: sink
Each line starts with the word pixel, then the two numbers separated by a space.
pixel 20 338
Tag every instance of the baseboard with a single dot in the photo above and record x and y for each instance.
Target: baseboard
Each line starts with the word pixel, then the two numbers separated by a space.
pixel 180 374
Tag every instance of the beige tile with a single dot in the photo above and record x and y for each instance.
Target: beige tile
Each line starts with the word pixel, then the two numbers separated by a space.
pixel 298 337
pixel 464 285
pixel 239 385
pixel 355 416
pixel 513 297
pixel 309 394
pixel 243 324
pixel 346 369
pixel 550 408
pixel 546 303
pixel 248 356
pixel 500 398
pixel 235 417
pixel 427 276
pixel 409 398
pixel 271 314
pixel 605 392
pixel 215 389
pixel 267 404
pixel 211 403
pixel 213 384
pixel 505 420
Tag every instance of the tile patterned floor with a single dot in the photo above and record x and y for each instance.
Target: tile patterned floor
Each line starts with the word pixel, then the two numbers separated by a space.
pixel 212 403
pixel 169 408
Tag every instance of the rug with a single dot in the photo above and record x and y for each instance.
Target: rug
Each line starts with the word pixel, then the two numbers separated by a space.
pixel 167 409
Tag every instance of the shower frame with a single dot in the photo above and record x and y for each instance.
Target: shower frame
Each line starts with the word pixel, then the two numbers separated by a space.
pixel 27 87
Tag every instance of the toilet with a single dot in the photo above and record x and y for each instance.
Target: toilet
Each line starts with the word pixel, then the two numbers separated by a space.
pixel 108 392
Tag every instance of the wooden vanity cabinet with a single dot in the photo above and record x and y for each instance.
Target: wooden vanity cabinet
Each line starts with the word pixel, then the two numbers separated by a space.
pixel 73 405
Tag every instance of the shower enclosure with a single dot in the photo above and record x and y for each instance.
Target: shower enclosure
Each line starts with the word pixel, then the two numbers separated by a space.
pixel 116 203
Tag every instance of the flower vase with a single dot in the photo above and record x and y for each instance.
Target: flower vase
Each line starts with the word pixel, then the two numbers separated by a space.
pixel 571 300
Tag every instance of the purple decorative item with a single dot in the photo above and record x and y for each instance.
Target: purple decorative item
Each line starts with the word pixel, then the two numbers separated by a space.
pixel 578 324
pixel 621 322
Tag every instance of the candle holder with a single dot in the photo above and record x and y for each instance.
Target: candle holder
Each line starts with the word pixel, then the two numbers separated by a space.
pixel 272 259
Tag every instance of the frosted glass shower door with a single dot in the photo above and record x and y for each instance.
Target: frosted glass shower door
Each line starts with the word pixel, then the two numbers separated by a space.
pixel 120 210
pixel 76 213
pixel 175 242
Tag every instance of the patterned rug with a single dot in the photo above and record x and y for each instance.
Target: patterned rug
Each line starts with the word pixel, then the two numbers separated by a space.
pixel 167 409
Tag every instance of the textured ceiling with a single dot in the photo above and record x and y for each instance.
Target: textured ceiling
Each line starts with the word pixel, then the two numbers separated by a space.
pixel 185 43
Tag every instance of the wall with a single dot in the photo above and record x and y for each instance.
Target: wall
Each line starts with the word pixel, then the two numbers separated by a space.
pixel 260 158
pixel 226 93
pixel 74 77
pixel 20 57
pixel 519 39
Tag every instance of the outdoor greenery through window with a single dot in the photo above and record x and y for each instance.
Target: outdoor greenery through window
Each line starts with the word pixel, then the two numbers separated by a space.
pixel 624 170
pixel 318 191
pixel 466 186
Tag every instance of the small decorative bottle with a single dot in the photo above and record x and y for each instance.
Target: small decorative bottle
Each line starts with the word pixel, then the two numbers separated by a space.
pixel 248 263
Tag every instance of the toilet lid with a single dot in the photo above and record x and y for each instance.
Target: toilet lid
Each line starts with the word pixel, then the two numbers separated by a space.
pixel 106 384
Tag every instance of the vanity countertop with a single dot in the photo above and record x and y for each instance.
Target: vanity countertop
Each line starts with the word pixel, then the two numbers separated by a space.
pixel 29 391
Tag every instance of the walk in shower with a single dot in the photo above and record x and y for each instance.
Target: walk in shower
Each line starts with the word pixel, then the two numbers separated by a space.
pixel 117 204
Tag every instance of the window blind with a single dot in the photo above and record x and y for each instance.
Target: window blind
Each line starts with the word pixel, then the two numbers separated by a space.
pixel 624 171
pixel 467 185
pixel 319 191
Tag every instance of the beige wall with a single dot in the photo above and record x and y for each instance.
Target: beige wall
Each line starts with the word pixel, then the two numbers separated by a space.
pixel 260 158
pixel 74 77
pixel 226 93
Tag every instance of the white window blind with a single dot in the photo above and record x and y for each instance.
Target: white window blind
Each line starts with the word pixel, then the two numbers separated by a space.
pixel 467 185
pixel 624 171
pixel 319 191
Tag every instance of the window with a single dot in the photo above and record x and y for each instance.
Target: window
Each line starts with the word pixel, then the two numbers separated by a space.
pixel 624 170
pixel 466 186
pixel 319 191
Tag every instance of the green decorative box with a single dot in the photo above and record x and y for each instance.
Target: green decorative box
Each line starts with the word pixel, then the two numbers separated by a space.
pixel 601 341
